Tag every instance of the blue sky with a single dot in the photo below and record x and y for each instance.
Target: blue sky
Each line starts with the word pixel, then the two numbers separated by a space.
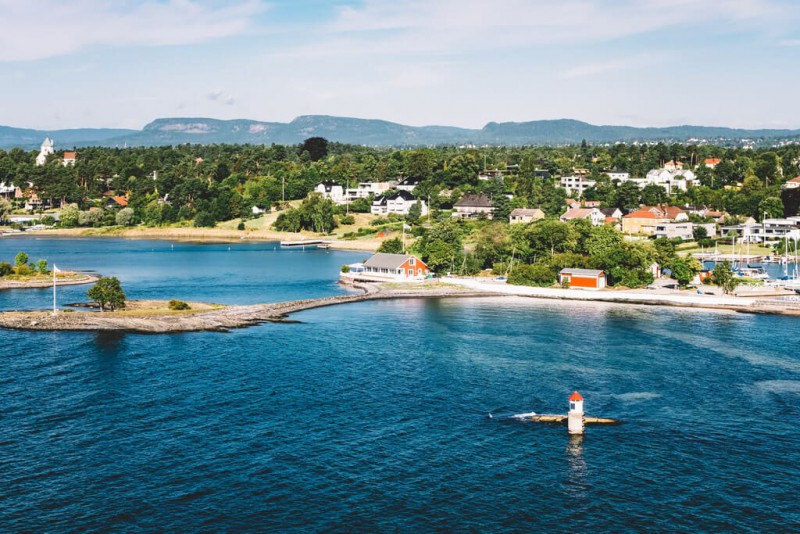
pixel 123 63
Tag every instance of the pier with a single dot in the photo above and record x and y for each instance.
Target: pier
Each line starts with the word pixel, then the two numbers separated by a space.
pixel 303 243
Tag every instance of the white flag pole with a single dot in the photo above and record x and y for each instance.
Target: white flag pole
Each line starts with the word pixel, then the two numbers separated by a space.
pixel 55 270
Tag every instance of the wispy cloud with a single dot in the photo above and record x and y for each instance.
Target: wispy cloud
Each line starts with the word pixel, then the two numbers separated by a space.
pixel 463 25
pixel 51 28
pixel 597 69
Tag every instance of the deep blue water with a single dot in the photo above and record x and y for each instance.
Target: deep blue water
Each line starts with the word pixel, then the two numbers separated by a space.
pixel 373 416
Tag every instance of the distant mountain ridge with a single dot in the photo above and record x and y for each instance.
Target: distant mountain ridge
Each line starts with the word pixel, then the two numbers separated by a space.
pixel 373 132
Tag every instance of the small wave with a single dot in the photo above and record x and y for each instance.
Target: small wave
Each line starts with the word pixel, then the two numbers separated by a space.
pixel 637 396
pixel 778 386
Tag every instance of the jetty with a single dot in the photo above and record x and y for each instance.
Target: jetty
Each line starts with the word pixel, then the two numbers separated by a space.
pixel 212 317
pixel 303 243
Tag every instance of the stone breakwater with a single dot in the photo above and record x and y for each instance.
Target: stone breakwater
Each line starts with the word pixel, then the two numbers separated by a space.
pixel 220 319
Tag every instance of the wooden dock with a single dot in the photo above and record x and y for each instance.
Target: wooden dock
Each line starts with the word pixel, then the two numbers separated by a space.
pixel 303 243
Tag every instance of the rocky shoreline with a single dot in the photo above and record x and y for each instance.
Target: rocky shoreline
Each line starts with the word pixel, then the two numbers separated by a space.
pixel 154 317
pixel 217 319
pixel 82 278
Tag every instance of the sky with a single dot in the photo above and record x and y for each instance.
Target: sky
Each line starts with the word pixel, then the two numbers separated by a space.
pixel 124 63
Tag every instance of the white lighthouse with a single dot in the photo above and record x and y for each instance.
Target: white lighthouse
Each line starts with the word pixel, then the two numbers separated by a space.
pixel 575 415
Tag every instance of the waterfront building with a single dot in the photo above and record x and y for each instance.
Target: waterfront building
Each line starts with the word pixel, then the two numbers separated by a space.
pixel 582 278
pixel 395 267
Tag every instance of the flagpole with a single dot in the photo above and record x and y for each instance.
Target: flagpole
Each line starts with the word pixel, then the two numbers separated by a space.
pixel 54 289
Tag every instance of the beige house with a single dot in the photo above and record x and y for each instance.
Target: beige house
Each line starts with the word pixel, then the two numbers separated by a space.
pixel 520 215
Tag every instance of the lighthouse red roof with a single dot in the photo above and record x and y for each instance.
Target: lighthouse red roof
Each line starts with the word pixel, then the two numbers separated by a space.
pixel 575 397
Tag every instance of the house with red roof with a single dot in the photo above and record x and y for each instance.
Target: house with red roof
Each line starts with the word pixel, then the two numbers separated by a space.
pixel 712 162
pixel 69 158
pixel 647 219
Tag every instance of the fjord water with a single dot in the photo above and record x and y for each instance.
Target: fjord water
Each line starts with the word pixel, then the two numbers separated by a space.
pixel 374 416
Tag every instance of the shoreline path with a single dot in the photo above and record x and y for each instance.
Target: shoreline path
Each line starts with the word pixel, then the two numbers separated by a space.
pixel 224 318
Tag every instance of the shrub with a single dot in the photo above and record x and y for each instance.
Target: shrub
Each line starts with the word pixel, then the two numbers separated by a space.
pixel 41 266
pixel 23 270
pixel 240 226
pixel 124 217
pixel 345 268
pixel 176 304
pixel 204 219
pixel 347 219
pixel 5 268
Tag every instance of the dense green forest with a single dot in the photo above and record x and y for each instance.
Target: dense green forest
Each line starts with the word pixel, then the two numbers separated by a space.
pixel 222 182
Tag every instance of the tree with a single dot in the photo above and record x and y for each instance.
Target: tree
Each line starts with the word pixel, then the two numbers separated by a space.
pixel 684 269
pixel 317 148
pixel 602 239
pixel 69 216
pixel 124 217
pixel 21 259
pixel 724 277
pixel 628 264
pixel 107 292
pixel 41 266
pixel 699 232
pixel 771 206
pixel 391 246
pixel 204 219
pixel 5 210
pixel 414 212
pixel 540 274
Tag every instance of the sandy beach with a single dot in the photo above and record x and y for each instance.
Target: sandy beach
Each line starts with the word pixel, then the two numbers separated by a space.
pixel 779 303
pixel 227 235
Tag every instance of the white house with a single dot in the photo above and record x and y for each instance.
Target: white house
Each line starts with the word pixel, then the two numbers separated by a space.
pixel 576 184
pixel 46 149
pixel 618 175
pixel 365 189
pixel 409 184
pixel 7 190
pixel 399 202
pixel 331 190
pixel 671 180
